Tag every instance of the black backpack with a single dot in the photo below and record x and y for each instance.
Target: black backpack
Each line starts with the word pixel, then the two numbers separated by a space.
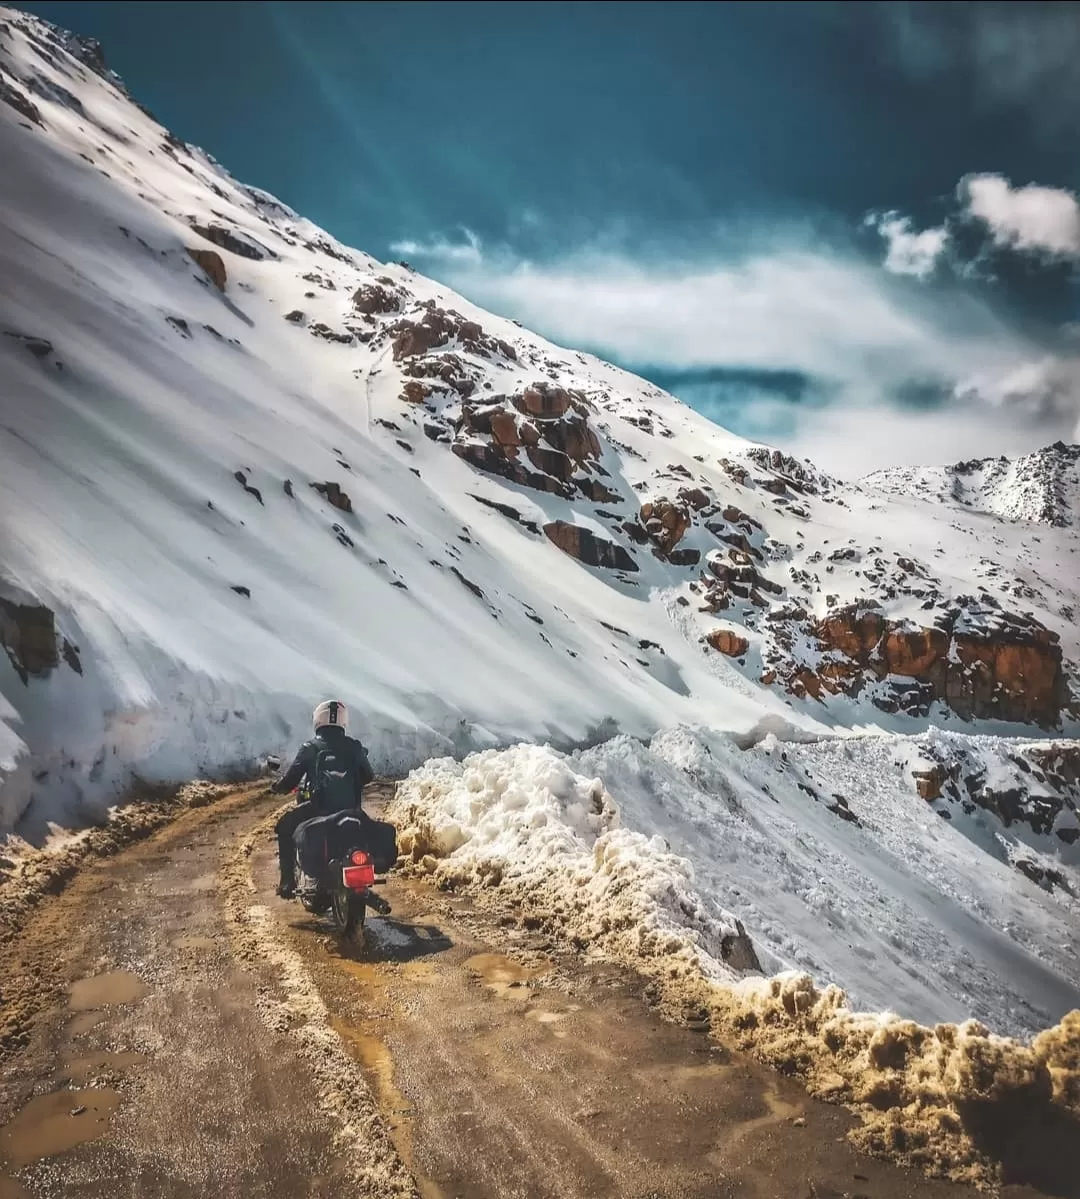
pixel 333 776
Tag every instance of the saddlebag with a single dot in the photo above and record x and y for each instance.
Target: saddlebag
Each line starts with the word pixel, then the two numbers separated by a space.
pixel 326 838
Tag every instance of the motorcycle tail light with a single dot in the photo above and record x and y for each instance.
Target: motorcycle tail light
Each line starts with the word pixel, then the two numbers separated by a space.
pixel 359 858
pixel 358 878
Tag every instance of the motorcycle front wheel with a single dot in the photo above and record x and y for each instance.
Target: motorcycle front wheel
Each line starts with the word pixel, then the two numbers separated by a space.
pixel 348 911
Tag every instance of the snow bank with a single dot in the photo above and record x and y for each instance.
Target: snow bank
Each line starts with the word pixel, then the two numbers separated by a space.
pixel 547 835
pixel 549 840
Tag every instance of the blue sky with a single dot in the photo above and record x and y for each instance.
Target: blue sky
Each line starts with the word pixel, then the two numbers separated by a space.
pixel 812 221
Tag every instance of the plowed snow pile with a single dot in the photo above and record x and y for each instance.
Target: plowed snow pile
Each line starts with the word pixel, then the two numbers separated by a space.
pixel 546 835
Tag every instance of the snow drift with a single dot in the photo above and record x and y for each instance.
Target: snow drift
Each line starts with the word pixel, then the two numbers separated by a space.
pixel 545 835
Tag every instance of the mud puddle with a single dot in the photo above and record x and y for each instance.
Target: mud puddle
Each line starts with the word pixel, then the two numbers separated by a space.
pixel 106 990
pixel 503 976
pixel 53 1123
pixel 94 1066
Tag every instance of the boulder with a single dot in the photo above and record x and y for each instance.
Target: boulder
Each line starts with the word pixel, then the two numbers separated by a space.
pixel 928 783
pixel 543 400
pixel 665 522
pixel 415 392
pixel 694 497
pixel 728 642
pixel 212 263
pixel 504 430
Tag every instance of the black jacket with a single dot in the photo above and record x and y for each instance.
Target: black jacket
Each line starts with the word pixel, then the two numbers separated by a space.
pixel 304 762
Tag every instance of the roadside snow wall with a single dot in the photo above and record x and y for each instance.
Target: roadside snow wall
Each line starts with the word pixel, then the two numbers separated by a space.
pixel 541 833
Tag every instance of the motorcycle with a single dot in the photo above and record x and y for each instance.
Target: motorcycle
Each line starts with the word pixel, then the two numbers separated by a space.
pixel 337 871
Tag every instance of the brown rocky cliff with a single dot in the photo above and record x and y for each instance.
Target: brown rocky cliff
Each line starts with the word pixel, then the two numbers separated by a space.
pixel 1002 668
pixel 438 327
pixel 539 438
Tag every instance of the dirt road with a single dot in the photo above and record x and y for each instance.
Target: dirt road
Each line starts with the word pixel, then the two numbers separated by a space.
pixel 191 1035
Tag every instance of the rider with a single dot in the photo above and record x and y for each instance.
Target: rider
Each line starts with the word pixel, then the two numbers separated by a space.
pixel 334 768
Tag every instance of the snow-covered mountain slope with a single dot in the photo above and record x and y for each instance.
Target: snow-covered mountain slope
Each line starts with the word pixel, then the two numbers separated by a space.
pixel 244 466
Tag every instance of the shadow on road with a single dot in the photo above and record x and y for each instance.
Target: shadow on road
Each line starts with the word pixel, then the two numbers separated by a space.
pixel 1037 1144
pixel 387 940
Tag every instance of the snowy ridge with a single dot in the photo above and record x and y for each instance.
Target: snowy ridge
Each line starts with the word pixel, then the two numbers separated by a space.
pixel 1040 488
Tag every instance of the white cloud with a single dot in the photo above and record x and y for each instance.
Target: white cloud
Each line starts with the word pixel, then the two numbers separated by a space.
pixel 466 250
pixel 831 316
pixel 850 441
pixel 1044 219
pixel 864 334
pixel 908 251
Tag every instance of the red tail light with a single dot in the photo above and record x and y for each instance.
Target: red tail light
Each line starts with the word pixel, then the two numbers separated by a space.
pixel 358 878
pixel 359 858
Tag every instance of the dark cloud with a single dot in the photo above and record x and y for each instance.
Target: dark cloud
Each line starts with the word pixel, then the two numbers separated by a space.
pixel 1012 54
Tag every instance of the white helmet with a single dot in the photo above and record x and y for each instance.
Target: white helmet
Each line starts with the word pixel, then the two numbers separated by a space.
pixel 330 712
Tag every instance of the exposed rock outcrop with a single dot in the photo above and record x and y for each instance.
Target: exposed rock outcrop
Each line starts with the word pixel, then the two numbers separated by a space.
pixel 735 577
pixel 441 326
pixel 446 372
pixel 333 495
pixel 244 245
pixel 588 548
pixel 212 263
pixel 1032 792
pixel 666 523
pixel 28 634
pixel 544 400
pixel 343 337
pixel 786 472
pixel 539 438
pixel 982 663
pixel 372 299
pixel 20 101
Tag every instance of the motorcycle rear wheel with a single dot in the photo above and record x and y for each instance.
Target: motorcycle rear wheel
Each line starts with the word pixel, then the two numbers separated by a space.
pixel 348 911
